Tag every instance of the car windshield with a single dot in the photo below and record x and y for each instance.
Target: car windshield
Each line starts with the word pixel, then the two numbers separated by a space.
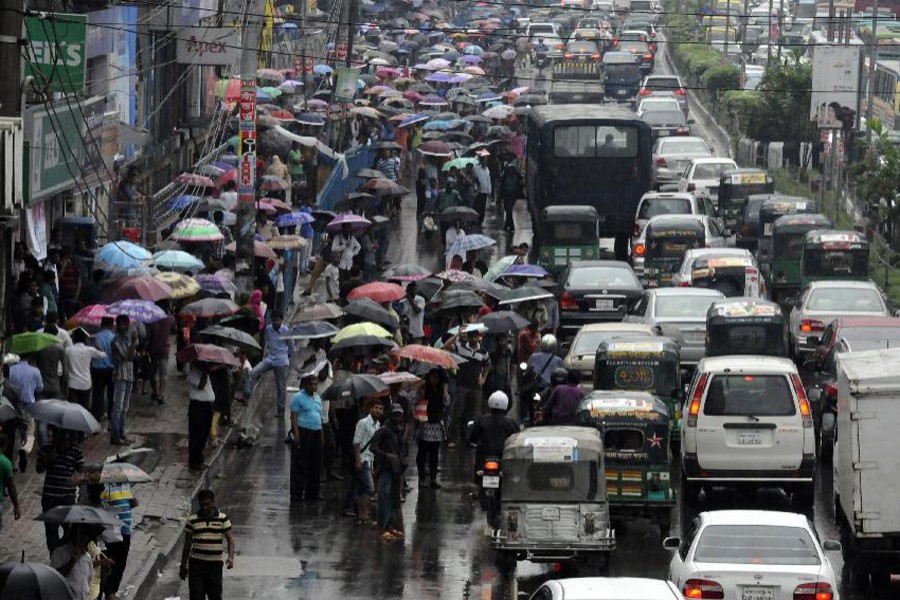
pixel 589 341
pixel 711 170
pixel 756 545
pixel 676 146
pixel 683 306
pixel 749 395
pixel 663 83
pixel 845 300
pixel 664 206
pixel 572 233
pixel 655 116
pixel 601 277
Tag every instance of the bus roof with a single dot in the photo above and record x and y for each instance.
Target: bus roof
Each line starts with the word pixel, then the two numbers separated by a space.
pixel 575 112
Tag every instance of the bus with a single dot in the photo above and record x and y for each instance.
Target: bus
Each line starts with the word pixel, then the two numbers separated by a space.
pixel 588 154
pixel 886 100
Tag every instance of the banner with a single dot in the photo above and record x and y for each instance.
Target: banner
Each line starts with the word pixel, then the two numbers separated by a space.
pixel 835 83
pixel 57 51
pixel 345 88
pixel 247 139
pixel 36 236
pixel 207 46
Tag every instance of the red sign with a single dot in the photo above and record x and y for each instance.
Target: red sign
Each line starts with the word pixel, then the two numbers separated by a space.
pixel 341 52
pixel 300 67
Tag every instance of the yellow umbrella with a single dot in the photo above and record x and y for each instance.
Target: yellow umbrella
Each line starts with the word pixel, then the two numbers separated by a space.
pixel 361 329
pixel 182 285
pixel 283 242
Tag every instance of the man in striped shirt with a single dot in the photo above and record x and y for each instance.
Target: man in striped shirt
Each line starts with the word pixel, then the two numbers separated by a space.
pixel 204 539
pixel 61 462
pixel 117 497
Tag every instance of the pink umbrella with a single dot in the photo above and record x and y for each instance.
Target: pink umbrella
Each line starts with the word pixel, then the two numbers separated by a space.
pixel 414 96
pixel 90 316
pixel 276 203
pixel 145 287
pixel 193 179
pixel 227 176
pixel 355 222
pixel 387 73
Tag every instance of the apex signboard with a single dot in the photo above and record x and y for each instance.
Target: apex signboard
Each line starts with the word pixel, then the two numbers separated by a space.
pixel 207 46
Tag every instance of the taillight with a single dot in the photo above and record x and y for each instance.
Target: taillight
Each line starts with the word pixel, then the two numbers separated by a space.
pixel 645 92
pixel 616 43
pixel 684 284
pixel 679 92
pixel 661 162
pixel 639 249
pixel 693 411
pixel 595 56
pixel 567 302
pixel 704 589
pixel 813 591
pixel 568 55
pixel 648 56
pixel 491 466
pixel 560 46
pixel 830 391
pixel 809 325
pixel 802 400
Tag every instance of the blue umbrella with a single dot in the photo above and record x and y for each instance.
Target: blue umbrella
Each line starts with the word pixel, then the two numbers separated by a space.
pixel 183 201
pixel 322 70
pixel 451 55
pixel 414 119
pixel 309 119
pixel 439 77
pixel 293 219
pixel 488 97
pixel 261 96
pixel 438 125
pixel 124 255
pixel 177 260
pixel 476 50
pixel 470 243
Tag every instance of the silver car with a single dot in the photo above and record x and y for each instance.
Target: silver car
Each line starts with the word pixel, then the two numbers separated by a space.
pixel 678 313
pixel 682 278
pixel 672 154
pixel 588 339
pixel 824 301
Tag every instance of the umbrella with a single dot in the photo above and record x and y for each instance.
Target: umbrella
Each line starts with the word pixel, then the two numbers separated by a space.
pixel 177 260
pixel 89 316
pixel 388 146
pixel 113 472
pixel 362 341
pixel 269 75
pixel 427 354
pixel 138 310
pixel 355 222
pixel 215 284
pixel 345 391
pixel 470 243
pixel 515 270
pixel 33 581
pixel 407 272
pixel 123 255
pixel 311 330
pixel 459 299
pixel 196 230
pixel 369 310
pixel 524 294
pixel 503 321
pixel 500 265
pixel 459 163
pixel 273 183
pixel 79 514
pixel 366 111
pixel 459 213
pixel 8 412
pixel 455 275
pixel 208 353
pixel 278 204
pixel 502 111
pixel 385 187
pixel 479 286
pixel 65 415
pixel 433 100
pixel 369 174
pixel 435 148
pixel 318 312
pixel 414 119
pixel 242 321
pixel 183 201
pixel 310 119
pixel 26 343
pixel 182 285
pixel 230 336
pixel 195 180
pixel 293 219
pixel 378 291
pixel 360 329
pixel 395 377
pixel 210 307
pixel 145 287
pixel 284 242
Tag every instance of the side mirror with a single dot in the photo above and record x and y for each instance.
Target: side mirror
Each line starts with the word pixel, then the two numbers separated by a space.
pixel 691 121
pixel 672 543
pixel 832 546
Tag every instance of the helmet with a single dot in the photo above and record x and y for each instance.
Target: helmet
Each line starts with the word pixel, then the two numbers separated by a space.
pixel 498 401
pixel 559 376
pixel 548 343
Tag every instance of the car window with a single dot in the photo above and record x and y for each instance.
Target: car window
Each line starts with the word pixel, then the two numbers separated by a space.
pixel 652 207
pixel 756 545
pixel 688 539
pixel 683 306
pixel 710 207
pixel 711 170
pixel 672 145
pixel 827 335
pixel 714 229
pixel 601 277
pixel 640 307
pixel 845 300
pixel 749 395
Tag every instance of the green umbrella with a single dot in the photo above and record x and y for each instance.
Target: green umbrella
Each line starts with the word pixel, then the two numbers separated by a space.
pixel 274 92
pixel 459 163
pixel 26 343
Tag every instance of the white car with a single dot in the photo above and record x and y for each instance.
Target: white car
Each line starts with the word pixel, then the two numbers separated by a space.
pixel 671 154
pixel 657 103
pixel 682 278
pixel 583 350
pixel 752 555
pixel 607 588
pixel 701 176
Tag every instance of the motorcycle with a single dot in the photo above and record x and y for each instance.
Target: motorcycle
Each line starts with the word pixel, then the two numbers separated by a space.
pixel 489 489
pixel 541 61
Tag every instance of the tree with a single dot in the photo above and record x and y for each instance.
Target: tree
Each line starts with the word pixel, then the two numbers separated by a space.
pixel 877 177
pixel 785 90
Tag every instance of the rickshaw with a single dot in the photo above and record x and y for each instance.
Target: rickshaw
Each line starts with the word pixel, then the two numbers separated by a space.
pixel 635 430
pixel 769 213
pixel 553 503
pixel 734 276
pixel 788 235
pixel 647 365
pixel 834 254
pixel 666 240
pixel 745 327
pixel 735 185
pixel 566 233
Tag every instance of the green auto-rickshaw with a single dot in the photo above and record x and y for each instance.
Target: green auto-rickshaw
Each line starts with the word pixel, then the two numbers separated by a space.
pixel 788 235
pixel 769 212
pixel 566 233
pixel 648 365
pixel 667 238
pixel 635 431
pixel 735 186
pixel 834 254
pixel 745 326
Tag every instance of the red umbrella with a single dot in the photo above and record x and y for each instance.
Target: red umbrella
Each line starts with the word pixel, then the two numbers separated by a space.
pixel 144 287
pixel 90 316
pixel 379 291
pixel 227 176
pixel 393 377
pixel 427 354
pixel 208 353
pixel 282 114
pixel 193 179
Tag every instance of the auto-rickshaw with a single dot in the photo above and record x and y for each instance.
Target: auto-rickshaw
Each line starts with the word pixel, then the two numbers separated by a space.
pixel 647 365
pixel 566 233
pixel 635 430
pixel 834 254
pixel 734 276
pixel 735 185
pixel 667 238
pixel 769 213
pixel 788 235
pixel 553 503
pixel 742 326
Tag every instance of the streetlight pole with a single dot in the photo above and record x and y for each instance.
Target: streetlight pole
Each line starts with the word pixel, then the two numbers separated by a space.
pixel 870 77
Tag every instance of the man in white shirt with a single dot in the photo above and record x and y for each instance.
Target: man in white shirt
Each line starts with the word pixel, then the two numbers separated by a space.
pixel 483 178
pixel 412 308
pixel 62 335
pixel 74 563
pixel 347 246
pixel 229 196
pixel 200 414
pixel 78 365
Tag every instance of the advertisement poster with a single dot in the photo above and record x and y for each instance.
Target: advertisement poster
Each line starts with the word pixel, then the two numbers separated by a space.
pixel 345 88
pixel 37 230
pixel 835 85
pixel 57 52
pixel 247 140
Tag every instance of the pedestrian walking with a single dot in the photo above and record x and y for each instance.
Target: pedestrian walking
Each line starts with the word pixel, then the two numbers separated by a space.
pixel 469 380
pixel 73 561
pixel 412 309
pixel 159 347
pixel 51 361
pixel 277 359
pixel 205 537
pixel 390 463
pixel 483 178
pixel 308 441
pixel 435 395
pixel 26 383
pixel 124 351
pixel 201 405
pixel 118 498
pixel 362 487
pixel 78 365
pixel 102 369
pixel 7 483
pixel 59 462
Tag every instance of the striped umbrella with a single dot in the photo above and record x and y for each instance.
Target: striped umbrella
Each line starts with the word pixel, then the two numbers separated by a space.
pixel 470 243
pixel 196 230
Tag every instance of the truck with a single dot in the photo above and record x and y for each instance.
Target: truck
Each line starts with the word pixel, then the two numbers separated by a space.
pixel 866 466
pixel 576 82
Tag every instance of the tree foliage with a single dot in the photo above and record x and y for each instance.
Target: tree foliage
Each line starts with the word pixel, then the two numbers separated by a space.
pixel 877 175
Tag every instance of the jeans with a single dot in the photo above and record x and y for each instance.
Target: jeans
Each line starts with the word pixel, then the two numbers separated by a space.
pixel 121 400
pixel 102 382
pixel 259 370
pixel 205 579
pixel 387 496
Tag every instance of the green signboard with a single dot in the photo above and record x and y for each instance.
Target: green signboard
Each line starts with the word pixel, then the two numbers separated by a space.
pixel 345 88
pixel 57 52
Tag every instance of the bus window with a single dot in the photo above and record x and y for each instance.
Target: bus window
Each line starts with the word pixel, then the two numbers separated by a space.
pixel 588 141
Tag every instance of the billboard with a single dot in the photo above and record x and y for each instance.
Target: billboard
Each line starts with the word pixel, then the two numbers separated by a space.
pixel 57 51
pixel 207 46
pixel 835 86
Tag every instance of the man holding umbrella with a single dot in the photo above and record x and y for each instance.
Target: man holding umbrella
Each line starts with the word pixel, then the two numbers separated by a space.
pixel 60 462
pixel 308 440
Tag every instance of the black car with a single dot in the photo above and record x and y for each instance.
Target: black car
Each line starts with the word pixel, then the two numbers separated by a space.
pixel 595 290
pixel 666 122
pixel 747 234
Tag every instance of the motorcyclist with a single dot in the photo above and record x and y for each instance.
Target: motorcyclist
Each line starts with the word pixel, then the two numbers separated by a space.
pixel 490 431
pixel 541 48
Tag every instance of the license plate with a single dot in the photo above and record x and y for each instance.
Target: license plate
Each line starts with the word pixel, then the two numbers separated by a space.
pixel 605 305
pixel 621 92
pixel 694 336
pixel 550 513
pixel 490 481
pixel 756 592
pixel 749 438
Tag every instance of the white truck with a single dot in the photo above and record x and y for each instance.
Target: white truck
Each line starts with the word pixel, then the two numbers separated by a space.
pixel 867 466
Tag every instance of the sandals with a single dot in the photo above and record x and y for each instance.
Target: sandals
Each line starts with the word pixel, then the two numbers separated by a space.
pixel 387 537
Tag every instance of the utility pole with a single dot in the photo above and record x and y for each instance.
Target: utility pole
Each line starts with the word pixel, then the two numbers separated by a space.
pixel 351 28
pixel 870 76
pixel 830 20
pixel 727 30
pixel 771 41
pixel 780 27
pixel 11 17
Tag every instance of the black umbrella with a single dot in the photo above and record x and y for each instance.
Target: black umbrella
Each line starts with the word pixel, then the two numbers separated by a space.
pixel 456 299
pixel 460 213
pixel 524 294
pixel 231 336
pixel 318 312
pixel 369 173
pixel 244 322
pixel 346 391
pixel 388 146
pixel 311 330
pixel 32 581
pixel 65 415
pixel 361 341
pixel 503 321
pixel 479 286
pixel 369 310
pixel 79 514
pixel 407 272
pixel 429 287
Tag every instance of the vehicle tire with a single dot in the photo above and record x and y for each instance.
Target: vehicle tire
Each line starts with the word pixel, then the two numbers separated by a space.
pixel 803 500
pixel 505 563
pixel 826 449
pixel 853 575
